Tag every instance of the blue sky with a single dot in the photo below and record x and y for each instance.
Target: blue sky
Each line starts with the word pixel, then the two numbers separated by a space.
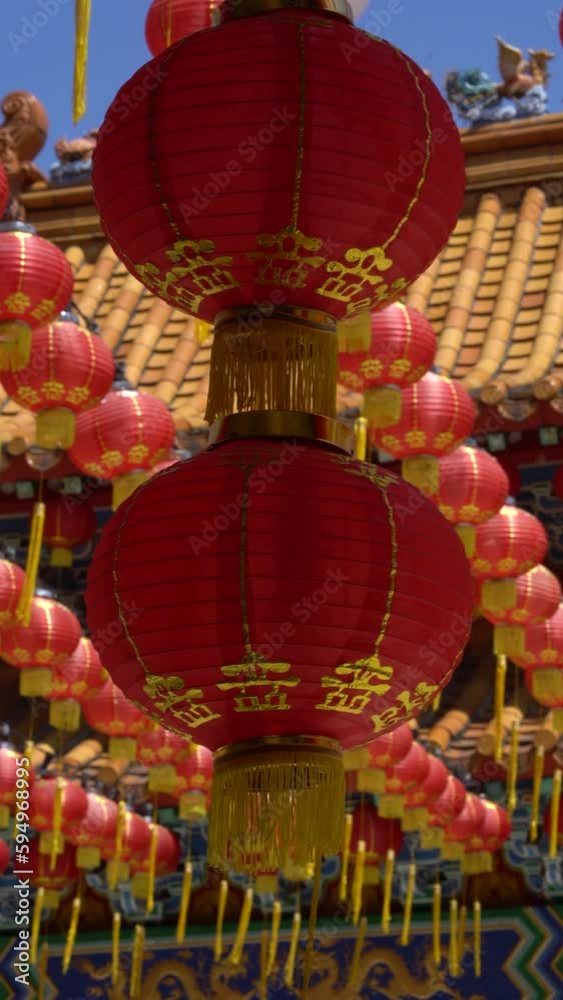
pixel 438 34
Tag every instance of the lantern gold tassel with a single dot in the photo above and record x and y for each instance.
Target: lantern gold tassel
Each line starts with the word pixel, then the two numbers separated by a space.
pixel 539 757
pixel 500 684
pixel 152 867
pixel 15 345
pixel 242 930
pixel 498 594
pixel 36 924
pixel 554 813
pixel 223 892
pixel 273 946
pixel 461 931
pixel 477 937
pixel 354 334
pixel 308 964
pixel 185 903
pixel 512 769
pixel 358 947
pixel 405 934
pixel 54 428
pixel 23 612
pixel 57 821
pixel 358 883
pixel 466 535
pixel 42 971
pixel 263 965
pixel 120 829
pixel 136 980
pixel 290 962
pixel 453 955
pixel 71 936
pixel 343 889
pixel 387 887
pixel 436 914
pixel 361 433
pixel 81 30
pixel 115 935
pixel 423 471
pixel 382 405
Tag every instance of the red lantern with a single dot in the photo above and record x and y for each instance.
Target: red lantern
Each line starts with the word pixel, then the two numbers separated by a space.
pixel 109 712
pixel 4 190
pixel 187 781
pixel 375 759
pixel 79 678
pixel 437 415
pixel 69 370
pixel 53 879
pixel 122 438
pixel 418 799
pixel 488 838
pixel 167 855
pixel 12 579
pixel 50 638
pixel 507 545
pixel 93 830
pixel 127 840
pixel 36 282
pixel 249 660
pixel 54 803
pixel 538 594
pixel 463 826
pixel 70 521
pixel 409 772
pixel 158 747
pixel 545 684
pixel 4 856
pixel 14 784
pixel 379 835
pixel 170 20
pixel 441 812
pixel 472 489
pixel 401 351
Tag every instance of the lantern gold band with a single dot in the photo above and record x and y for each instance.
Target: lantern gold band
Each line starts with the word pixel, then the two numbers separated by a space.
pixel 233 10
pixel 283 424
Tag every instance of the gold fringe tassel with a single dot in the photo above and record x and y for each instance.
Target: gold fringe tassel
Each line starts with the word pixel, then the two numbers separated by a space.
pixel 500 684
pixel 57 821
pixel 382 406
pixel 136 981
pixel 42 971
pixel 461 931
pixel 466 535
pixel 290 962
pixel 115 936
pixel 273 946
pixel 343 889
pixel 223 893
pixel 23 611
pixel 308 964
pixel 422 471
pixel 498 595
pixel 361 434
pixel 15 345
pixel 387 887
pixel 358 948
pixel 71 936
pixel 60 558
pixel 358 883
pixel 539 759
pixel 512 769
pixel 120 830
pixel 123 486
pixel 185 902
pixel 405 933
pixel 36 924
pixel 263 964
pixel 436 917
pixel 280 365
pixel 354 334
pixel 554 813
pixel 453 953
pixel 477 938
pixel 54 428
pixel 64 714
pixel 242 930
pixel 152 867
pixel 82 14
pixel 509 640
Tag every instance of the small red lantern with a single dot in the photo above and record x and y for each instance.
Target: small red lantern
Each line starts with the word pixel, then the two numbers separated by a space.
pixel 170 20
pixel 111 713
pixel 379 836
pixel 187 781
pixel 437 415
pixel 54 879
pixel 4 190
pixel 472 489
pixel 69 370
pixel 441 812
pixel 509 544
pixel 488 838
pixel 418 799
pixel 50 638
pixel 407 773
pixel 538 593
pixel 13 782
pixel 12 579
pixel 401 351
pixel 375 759
pixel 4 856
pixel 70 521
pixel 462 827
pixel 162 751
pixel 127 840
pixel 79 678
pixel 545 684
pixel 53 804
pixel 162 858
pixel 92 830
pixel 123 437
pixel 36 283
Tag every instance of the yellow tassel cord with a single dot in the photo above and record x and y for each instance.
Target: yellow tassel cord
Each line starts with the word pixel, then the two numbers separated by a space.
pixel 405 933
pixel 354 334
pixel 82 13
pixel 236 952
pixel 56 845
pixel 273 946
pixel 65 715
pixel 423 471
pixel 35 682
pixel 202 331
pixel 500 685
pixel 122 748
pixel 499 594
pixel 512 774
pixel 436 930
pixel 4 817
pixel 120 829
pixel 308 964
pixel 554 813
pixel 223 893
pixel 477 938
pixel 361 433
pixel 54 428
pixel 358 883
pixel 437 702
pixel 15 345
pixel 387 888
pixel 509 640
pixel 280 365
pixel 36 924
pixel 115 936
pixel 289 967
pixel 466 535
pixel 61 558
pixel 557 716
pixel 42 971
pixel 453 952
pixel 71 936
pixel 136 980
pixel 299 785
pixel 461 931
pixel 343 890
pixel 263 965
pixel 358 948
pixel 152 867
pixel 539 759
pixel 123 486
pixel 382 406
pixel 185 903
pixel 391 806
pixel 23 612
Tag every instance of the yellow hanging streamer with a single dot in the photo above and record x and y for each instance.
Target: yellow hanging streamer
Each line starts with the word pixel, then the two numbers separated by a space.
pixel 36 924
pixel 136 980
pixel 358 883
pixel 512 769
pixel 290 963
pixel 539 757
pixel 57 821
pixel 361 432
pixel 405 934
pixel 42 971
pixel 115 935
pixel 273 947
pixel 387 887
pixel 263 965
pixel 152 867
pixel 477 937
pixel 242 930
pixel 358 948
pixel 71 936
pixel 82 12
pixel 223 892
pixel 343 890
pixel 500 684
pixel 554 812
pixel 453 955
pixel 308 964
pixel 436 914
pixel 461 931
pixel 185 903
pixel 23 611
pixel 120 830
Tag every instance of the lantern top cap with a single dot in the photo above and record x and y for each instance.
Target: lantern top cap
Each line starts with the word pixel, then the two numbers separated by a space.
pixel 233 10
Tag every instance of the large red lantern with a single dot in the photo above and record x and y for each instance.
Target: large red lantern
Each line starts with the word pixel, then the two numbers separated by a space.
pixel 70 521
pixel 79 678
pixel 122 438
pixel 91 832
pixel 538 593
pixel 407 773
pixel 50 638
pixel 545 684
pixel 54 879
pixel 509 544
pixel 4 190
pixel 401 351
pixel 69 370
pixel 12 579
pixel 437 415
pixel 419 797
pixel 472 488
pixel 36 283
pixel 55 803
pixel 109 712
pixel 170 20
pixel 375 759
pixel 14 784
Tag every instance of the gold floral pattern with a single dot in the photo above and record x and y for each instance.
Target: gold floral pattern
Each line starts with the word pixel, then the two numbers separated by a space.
pixel 17 302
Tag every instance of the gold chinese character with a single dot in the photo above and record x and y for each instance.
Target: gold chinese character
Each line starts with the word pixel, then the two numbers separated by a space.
pixel 265 695
pixel 286 258
pixel 354 694
pixel 181 703
pixel 407 705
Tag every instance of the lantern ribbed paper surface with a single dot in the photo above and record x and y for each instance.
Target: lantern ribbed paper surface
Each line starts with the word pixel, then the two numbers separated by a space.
pixel 69 521
pixel 42 803
pixel 473 486
pixel 51 636
pixel 12 579
pixel 509 544
pixel 80 676
pixel 538 594
pixel 169 20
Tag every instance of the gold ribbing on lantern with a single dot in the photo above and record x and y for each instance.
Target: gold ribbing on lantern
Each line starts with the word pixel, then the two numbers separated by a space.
pixel 361 433
pixel 277 359
pixel 436 915
pixel 115 935
pixel 152 867
pixel 500 684
pixel 81 30
pixel 405 933
pixel 358 947
pixel 308 963
pixel 57 821
pixel 477 937
pixel 273 945
pixel 23 611
pixel 343 889
pixel 387 888
pixel 136 980
pixel 358 881
pixel 539 758
pixel 453 959
pixel 512 774
pixel 184 903
pixel 554 813
pixel 242 929
pixel 120 830
pixel 36 924
pixel 15 345
pixel 222 903
pixel 71 936
pixel 294 941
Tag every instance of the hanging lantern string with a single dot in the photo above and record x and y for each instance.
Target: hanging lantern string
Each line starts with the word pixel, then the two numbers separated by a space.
pixel 539 760
pixel 73 928
pixel 358 883
pixel 57 821
pixel 23 611
pixel 361 432
pixel 294 941
pixel 477 937
pixel 152 867
pixel 82 12
pixel 223 892
pixel 121 820
pixel 273 946
pixel 137 962
pixel 343 890
pixel 358 948
pixel 554 813
pixel 308 965
pixel 500 685
pixel 405 933
pixel 115 936
pixel 436 914
pixel 36 924
pixel 453 952
pixel 185 903
pixel 512 768
pixel 242 930
pixel 387 888
pixel 263 964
